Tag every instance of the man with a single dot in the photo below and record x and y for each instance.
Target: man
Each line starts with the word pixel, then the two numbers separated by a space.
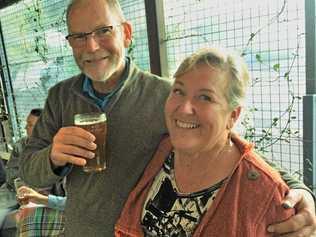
pixel 133 101
pixel 13 164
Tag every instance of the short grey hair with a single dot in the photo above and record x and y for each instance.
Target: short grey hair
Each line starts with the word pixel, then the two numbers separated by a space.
pixel 114 5
pixel 228 62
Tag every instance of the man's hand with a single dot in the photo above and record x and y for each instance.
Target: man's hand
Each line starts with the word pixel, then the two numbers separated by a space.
pixel 303 224
pixel 72 145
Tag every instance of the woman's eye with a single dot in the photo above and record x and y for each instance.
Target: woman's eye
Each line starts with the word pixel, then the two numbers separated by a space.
pixel 177 91
pixel 205 97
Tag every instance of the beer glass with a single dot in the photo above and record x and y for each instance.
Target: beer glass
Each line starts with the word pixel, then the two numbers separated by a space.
pixel 96 124
pixel 22 200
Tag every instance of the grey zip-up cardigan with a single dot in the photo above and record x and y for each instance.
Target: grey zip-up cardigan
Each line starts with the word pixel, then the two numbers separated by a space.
pixel 135 126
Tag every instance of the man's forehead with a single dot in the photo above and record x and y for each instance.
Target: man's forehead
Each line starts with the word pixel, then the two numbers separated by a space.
pixel 86 18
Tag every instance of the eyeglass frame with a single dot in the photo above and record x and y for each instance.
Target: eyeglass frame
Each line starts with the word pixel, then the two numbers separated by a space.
pixel 84 35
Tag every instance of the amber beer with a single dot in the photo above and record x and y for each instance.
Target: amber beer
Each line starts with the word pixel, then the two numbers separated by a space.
pixel 96 124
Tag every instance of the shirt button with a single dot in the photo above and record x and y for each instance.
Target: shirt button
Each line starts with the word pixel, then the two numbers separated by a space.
pixel 253 174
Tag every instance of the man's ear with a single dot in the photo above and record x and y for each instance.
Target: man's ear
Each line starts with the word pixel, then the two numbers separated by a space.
pixel 128 32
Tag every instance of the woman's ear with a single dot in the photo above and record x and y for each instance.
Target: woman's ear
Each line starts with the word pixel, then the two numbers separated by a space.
pixel 234 116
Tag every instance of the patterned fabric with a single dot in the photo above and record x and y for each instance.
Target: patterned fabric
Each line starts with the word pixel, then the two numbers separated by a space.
pixel 168 212
pixel 40 222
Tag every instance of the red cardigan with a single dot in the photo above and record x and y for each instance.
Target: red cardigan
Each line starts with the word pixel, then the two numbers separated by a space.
pixel 243 207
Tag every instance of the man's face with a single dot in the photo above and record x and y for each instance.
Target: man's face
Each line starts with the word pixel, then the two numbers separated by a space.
pixel 99 58
pixel 30 123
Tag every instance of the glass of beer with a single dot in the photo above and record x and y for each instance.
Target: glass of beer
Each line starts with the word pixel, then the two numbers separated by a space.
pixel 96 124
pixel 20 195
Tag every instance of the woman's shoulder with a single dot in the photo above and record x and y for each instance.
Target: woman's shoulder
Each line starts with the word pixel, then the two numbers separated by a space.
pixel 257 168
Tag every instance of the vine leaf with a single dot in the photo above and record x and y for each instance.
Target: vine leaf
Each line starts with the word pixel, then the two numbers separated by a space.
pixel 276 67
pixel 258 57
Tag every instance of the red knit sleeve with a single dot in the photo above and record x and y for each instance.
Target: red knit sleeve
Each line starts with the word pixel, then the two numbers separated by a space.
pixel 275 213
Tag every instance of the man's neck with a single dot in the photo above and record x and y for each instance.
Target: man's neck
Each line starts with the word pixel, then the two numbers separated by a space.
pixel 108 85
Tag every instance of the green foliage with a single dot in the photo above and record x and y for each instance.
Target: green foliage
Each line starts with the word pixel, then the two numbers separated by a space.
pixel 130 50
pixel 276 67
pixel 259 59
pixel 33 17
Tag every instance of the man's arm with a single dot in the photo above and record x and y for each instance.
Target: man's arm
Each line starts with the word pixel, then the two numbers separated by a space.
pixel 35 167
pixel 303 223
pixel 53 147
pixel 291 181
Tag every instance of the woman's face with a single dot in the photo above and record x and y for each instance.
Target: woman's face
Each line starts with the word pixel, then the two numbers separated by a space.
pixel 197 112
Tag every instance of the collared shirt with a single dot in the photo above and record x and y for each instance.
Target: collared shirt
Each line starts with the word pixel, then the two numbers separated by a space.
pixel 102 99
pixel 56 202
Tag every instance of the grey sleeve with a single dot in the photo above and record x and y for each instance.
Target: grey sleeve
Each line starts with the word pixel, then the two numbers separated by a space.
pixel 36 169
pixel 289 179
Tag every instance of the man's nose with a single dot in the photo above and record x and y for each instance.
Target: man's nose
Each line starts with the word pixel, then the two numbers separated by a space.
pixel 91 43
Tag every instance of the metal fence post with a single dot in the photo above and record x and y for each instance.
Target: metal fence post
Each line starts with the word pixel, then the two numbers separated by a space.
pixel 309 100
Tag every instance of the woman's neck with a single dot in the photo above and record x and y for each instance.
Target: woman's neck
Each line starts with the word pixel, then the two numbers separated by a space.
pixel 197 171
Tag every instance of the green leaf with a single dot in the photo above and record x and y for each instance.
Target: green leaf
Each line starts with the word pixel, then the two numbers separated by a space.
pixel 276 67
pixel 258 57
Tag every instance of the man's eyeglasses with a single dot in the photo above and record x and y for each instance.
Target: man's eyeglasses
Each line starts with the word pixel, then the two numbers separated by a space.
pixel 78 40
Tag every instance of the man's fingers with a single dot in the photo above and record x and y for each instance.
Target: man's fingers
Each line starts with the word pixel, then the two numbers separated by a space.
pixel 63 154
pixel 76 131
pixel 65 158
pixel 72 145
pixel 293 224
pixel 75 139
pixel 304 232
pixel 77 151
pixel 292 198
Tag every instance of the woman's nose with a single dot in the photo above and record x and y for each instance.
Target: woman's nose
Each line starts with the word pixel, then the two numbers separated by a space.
pixel 187 107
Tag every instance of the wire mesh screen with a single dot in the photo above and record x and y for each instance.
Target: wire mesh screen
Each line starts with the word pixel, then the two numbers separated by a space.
pixel 39 56
pixel 270 36
pixel 134 11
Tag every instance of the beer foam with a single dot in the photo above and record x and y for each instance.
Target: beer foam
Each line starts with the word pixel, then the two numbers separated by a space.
pixel 89 121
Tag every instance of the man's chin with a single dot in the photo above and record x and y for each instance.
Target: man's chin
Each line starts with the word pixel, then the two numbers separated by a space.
pixel 99 78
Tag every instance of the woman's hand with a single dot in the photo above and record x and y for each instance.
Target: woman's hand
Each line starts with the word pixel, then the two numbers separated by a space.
pixel 303 223
pixel 32 196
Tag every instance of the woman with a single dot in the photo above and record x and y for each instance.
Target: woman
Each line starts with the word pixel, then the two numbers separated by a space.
pixel 204 180
pixel 41 220
pixel 50 200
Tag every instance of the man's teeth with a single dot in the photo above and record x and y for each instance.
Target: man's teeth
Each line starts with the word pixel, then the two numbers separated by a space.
pixel 92 60
pixel 186 125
